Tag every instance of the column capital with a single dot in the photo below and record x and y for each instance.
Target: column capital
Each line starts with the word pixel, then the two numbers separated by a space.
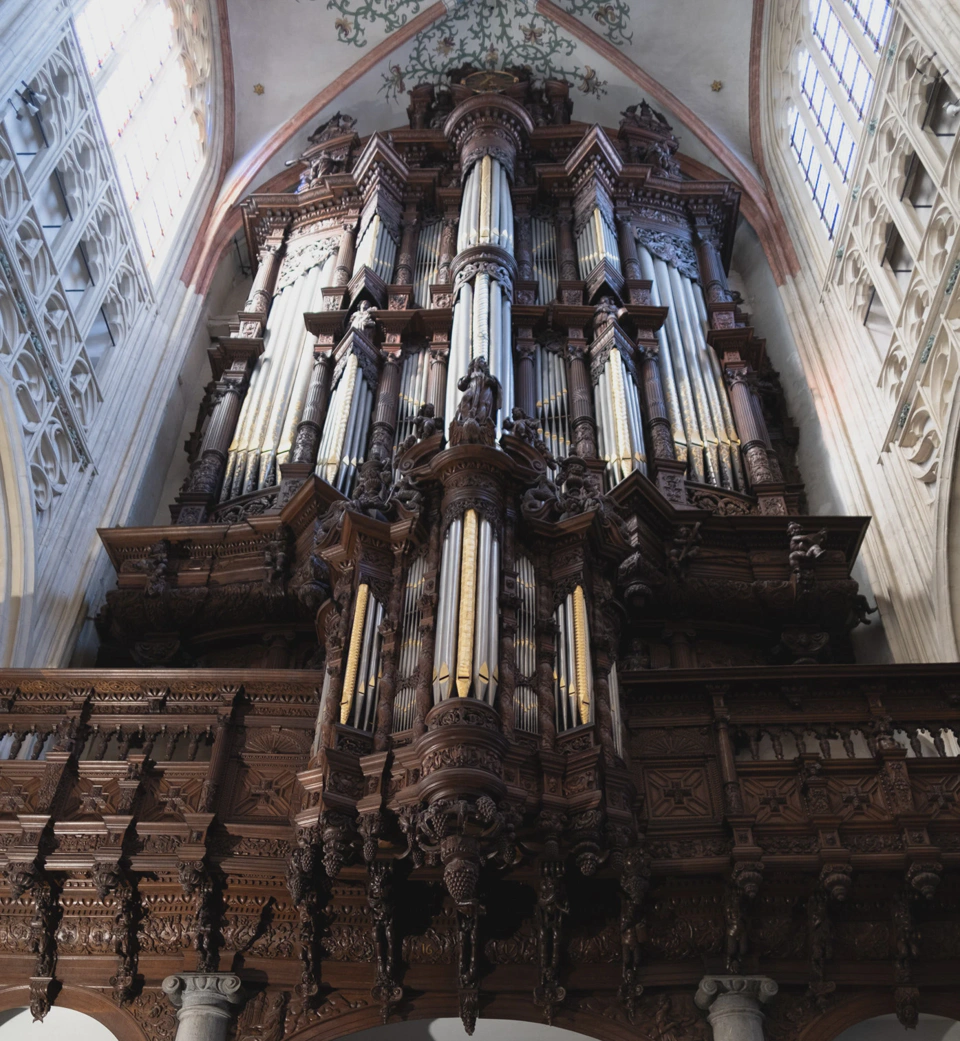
pixel 203 990
pixel 753 991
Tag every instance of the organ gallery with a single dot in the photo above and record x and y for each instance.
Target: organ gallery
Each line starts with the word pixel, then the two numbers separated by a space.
pixel 490 665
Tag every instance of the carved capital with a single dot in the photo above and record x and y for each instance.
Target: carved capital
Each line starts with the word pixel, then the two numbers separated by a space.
pixel 751 991
pixel 213 994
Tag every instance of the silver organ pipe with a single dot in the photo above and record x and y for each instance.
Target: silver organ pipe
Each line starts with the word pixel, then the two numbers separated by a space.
pixel 550 374
pixel 597 241
pixel 481 323
pixel 543 234
pixel 668 381
pixel 376 244
pixel 525 695
pixel 693 386
pixel 427 261
pixel 671 338
pixel 410 637
pixel 573 675
pixel 449 599
pixel 345 431
pixel 413 393
pixel 321 715
pixel 271 397
pixel 468 624
pixel 715 382
pixel 616 716
pixel 690 346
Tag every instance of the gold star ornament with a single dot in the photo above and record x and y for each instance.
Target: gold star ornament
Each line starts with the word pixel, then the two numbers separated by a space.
pixel 716 86
pixel 258 88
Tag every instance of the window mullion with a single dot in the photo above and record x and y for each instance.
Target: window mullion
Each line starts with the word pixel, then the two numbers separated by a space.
pixel 144 110
pixel 100 77
pixel 829 77
pixel 823 149
pixel 862 43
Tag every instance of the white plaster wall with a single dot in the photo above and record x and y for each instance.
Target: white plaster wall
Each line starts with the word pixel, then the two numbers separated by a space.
pixel 750 274
pixel 59 1023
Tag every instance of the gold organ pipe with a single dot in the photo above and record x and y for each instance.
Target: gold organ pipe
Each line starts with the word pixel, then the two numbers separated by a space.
pixel 468 604
pixel 581 653
pixel 353 657
pixel 486 197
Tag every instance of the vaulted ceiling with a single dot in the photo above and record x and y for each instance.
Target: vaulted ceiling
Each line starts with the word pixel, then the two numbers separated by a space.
pixel 314 57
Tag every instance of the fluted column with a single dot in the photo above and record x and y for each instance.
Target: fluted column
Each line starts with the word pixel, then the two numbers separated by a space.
pixel 566 252
pixel 206 1004
pixel 448 248
pixel 712 276
pixel 201 487
pixel 345 254
pixel 732 1004
pixel 407 262
pixel 761 465
pixel 581 402
pixel 524 245
pixel 437 381
pixel 310 427
pixel 385 409
pixel 526 377
pixel 654 405
pixel 261 293
pixel 628 249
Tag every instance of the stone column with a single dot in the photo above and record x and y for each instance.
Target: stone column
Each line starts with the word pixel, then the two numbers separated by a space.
pixel 207 1002
pixel 732 1004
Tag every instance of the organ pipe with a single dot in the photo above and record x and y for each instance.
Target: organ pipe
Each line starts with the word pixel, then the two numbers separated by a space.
pixel 573 675
pixel 525 697
pixel 271 409
pixel 362 672
pixel 410 641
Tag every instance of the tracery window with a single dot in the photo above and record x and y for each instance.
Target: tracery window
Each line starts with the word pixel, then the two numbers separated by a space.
pixel 150 72
pixel 835 66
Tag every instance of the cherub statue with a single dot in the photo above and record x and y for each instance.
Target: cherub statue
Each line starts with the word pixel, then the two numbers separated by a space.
pixel 362 319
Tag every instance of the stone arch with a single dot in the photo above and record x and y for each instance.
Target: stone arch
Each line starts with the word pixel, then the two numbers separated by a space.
pixel 91 1004
pixel 16 537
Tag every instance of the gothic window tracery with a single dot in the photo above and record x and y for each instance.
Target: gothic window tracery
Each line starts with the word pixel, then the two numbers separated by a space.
pixel 828 94
pixel 150 66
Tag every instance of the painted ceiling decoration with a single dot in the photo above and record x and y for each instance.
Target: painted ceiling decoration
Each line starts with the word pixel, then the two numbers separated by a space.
pixel 497 35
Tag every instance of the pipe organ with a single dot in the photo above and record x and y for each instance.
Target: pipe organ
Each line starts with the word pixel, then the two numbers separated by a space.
pixel 490 444
pixel 487 611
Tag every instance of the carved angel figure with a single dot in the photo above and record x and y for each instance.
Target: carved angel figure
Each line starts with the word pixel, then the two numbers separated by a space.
pixel 362 319
pixel 334 127
pixel 605 312
pixel 474 422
